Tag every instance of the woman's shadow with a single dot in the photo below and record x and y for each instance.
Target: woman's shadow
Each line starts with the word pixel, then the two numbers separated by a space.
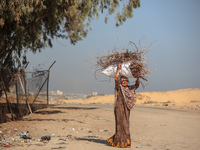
pixel 100 141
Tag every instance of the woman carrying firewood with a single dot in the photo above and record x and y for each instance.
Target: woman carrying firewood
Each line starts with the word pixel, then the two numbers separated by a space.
pixel 125 101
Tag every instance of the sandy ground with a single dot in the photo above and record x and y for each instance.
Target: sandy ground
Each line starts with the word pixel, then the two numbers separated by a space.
pixel 153 126
pixel 86 127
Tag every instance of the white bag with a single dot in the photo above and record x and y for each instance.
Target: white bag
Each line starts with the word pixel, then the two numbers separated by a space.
pixel 125 70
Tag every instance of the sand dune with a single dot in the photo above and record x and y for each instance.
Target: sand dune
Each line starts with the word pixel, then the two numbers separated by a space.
pixel 179 98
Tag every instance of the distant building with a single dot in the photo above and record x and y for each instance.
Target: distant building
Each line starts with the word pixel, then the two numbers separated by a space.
pixel 59 92
pixel 56 95
pixel 94 93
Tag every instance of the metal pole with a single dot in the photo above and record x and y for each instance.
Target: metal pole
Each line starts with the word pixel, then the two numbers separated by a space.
pixel 48 88
pixel 48 82
pixel 52 65
pixel 39 90
pixel 25 94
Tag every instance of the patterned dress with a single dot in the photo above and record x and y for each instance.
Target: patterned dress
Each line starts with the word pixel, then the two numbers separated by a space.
pixel 125 101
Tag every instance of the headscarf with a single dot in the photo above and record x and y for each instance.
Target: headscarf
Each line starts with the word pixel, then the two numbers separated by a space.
pixel 123 79
pixel 128 94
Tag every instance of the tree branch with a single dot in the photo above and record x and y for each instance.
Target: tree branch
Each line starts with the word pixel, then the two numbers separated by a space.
pixel 41 17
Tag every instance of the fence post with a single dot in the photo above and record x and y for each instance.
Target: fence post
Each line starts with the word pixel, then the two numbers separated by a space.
pixel 48 82
pixel 39 90
pixel 48 88
pixel 24 90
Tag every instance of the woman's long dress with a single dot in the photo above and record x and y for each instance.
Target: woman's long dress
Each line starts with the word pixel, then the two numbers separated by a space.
pixel 121 138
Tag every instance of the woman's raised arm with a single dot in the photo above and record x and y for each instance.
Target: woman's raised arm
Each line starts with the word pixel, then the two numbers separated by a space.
pixel 118 69
pixel 137 83
pixel 117 76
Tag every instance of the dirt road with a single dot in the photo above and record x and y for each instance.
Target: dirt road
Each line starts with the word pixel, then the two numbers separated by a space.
pixel 86 127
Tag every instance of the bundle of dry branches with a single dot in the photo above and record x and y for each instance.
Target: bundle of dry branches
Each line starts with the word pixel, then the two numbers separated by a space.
pixel 138 63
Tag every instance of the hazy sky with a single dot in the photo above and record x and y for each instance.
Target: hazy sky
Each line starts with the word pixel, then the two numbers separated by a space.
pixel 173 26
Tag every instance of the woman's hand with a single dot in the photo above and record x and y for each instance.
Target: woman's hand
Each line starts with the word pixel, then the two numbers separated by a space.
pixel 118 69
pixel 119 66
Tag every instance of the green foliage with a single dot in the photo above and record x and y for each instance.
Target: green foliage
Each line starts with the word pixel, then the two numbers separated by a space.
pixel 32 24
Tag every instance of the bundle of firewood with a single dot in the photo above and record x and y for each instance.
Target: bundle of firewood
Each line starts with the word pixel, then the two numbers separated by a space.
pixel 138 63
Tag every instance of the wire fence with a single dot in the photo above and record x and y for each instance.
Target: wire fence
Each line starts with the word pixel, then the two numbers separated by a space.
pixel 28 89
